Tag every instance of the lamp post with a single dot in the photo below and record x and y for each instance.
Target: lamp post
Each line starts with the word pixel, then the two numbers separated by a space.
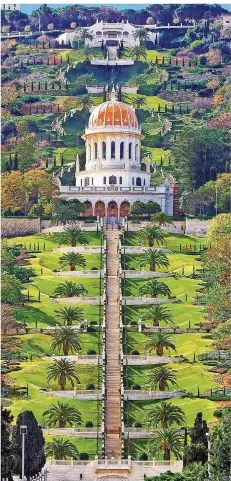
pixel 23 432
pixel 209 455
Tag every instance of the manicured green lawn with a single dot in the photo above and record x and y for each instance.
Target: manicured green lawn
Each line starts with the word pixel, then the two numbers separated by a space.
pixel 189 377
pixel 44 313
pixel 178 287
pixel 150 55
pixel 34 373
pixel 83 445
pixel 67 153
pixel 38 345
pixel 48 242
pixel 152 101
pixel 139 410
pixel 172 241
pixel 156 154
pixel 77 55
pixel 51 261
pixel 177 262
pixel 181 314
pixel 47 285
pixel 186 344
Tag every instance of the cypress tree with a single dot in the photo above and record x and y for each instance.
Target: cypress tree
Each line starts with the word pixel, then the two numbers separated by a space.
pixel 34 445
pixel 6 445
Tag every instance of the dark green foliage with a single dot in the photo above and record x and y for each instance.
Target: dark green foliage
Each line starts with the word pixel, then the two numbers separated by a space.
pixel 221 449
pixel 6 444
pixel 34 445
pixel 200 154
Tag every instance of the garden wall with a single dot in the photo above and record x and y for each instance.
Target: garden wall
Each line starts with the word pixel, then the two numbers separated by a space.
pixel 13 227
pixel 197 226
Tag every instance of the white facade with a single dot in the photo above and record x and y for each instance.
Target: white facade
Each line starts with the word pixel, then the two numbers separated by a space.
pixel 113 179
pixel 108 32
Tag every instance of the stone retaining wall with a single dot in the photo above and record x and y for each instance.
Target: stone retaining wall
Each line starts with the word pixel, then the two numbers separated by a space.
pixel 14 227
pixel 197 226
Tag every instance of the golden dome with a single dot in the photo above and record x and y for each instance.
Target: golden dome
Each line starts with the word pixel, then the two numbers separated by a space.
pixel 113 114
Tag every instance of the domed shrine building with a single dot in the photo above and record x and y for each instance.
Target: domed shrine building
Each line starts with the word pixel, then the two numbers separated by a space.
pixel 113 179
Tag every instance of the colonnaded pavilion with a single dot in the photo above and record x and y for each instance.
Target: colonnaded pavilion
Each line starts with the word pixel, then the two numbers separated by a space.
pixel 114 178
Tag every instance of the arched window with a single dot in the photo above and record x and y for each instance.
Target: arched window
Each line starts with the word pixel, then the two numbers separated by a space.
pixel 86 181
pixel 121 180
pixel 138 181
pixel 89 151
pixel 104 150
pixel 104 180
pixel 136 152
pixel 144 182
pixel 113 149
pixel 95 145
pixel 121 150
pixel 130 150
pixel 81 182
pixel 92 181
pixel 112 179
pixel 133 181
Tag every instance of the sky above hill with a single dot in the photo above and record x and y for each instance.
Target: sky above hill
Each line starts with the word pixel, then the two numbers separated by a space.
pixel 26 8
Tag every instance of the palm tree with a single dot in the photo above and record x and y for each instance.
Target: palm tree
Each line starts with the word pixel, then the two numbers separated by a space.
pixel 158 342
pixel 157 314
pixel 161 218
pixel 85 102
pixel 60 449
pixel 141 33
pixel 62 414
pixel 167 441
pixel 87 53
pixel 67 339
pixel 153 288
pixel 138 102
pixel 68 314
pixel 84 34
pixel 64 213
pixel 69 289
pixel 154 258
pixel 72 259
pixel 165 414
pixel 73 235
pixel 150 235
pixel 161 377
pixel 62 370
pixel 138 52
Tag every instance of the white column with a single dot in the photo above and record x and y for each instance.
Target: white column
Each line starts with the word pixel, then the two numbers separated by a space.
pixel 126 144
pixel 92 150
pixel 133 149
pixel 117 150
pixel 108 149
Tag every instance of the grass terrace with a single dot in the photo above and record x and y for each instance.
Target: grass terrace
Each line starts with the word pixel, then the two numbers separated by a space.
pixel 189 377
pixel 152 101
pixel 177 262
pixel 172 241
pixel 43 313
pixel 138 410
pixel 186 344
pixel 88 446
pixel 181 315
pixel 39 345
pixel 48 242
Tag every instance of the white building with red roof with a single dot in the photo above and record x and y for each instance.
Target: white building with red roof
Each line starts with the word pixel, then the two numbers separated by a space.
pixel 113 178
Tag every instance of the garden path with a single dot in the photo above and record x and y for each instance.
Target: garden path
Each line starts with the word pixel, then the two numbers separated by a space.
pixel 112 399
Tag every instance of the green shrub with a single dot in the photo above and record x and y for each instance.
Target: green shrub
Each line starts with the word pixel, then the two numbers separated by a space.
pixel 89 424
pixel 90 387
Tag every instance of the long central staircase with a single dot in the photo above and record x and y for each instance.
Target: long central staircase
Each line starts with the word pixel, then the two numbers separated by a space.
pixel 112 398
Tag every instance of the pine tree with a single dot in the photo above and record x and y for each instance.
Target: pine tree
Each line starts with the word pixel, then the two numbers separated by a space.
pixel 34 445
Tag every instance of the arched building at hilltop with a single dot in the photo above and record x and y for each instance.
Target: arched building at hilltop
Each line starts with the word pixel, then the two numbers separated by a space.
pixel 113 179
